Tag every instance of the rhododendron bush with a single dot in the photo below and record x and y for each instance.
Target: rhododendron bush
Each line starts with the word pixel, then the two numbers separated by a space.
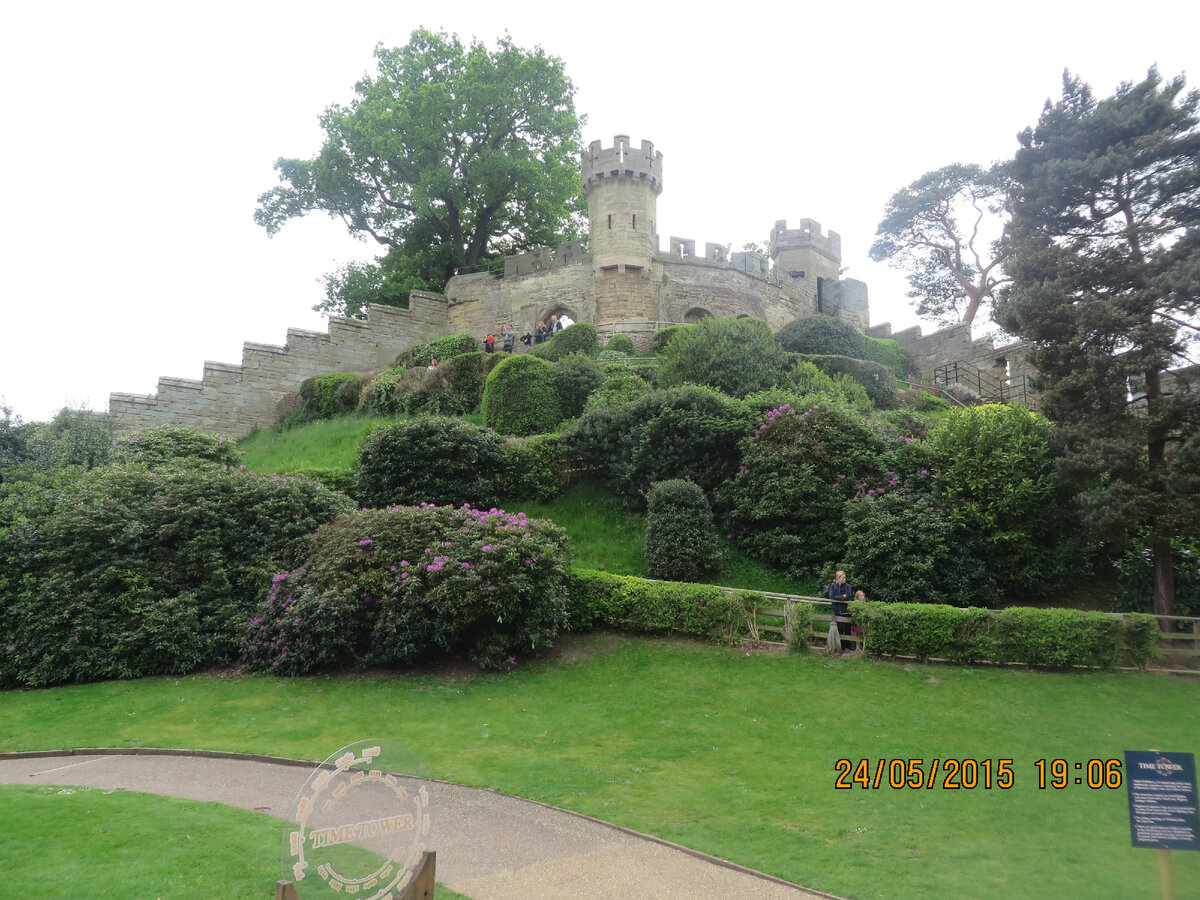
pixel 391 586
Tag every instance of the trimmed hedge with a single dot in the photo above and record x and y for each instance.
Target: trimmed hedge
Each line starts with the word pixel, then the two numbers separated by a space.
pixel 533 468
pixel 578 338
pixel 1041 638
pixel 429 459
pixel 681 541
pixel 600 599
pixel 520 397
pixel 666 335
pixel 323 397
pixel 822 335
pixel 621 343
pixel 174 446
pixel 440 348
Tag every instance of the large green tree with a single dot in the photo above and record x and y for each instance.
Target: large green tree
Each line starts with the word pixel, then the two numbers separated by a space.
pixel 942 230
pixel 449 155
pixel 1105 234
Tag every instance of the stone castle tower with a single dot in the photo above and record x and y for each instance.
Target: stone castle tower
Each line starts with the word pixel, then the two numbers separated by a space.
pixel 624 284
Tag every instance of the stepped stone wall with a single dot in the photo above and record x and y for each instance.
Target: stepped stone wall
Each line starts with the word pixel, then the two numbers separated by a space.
pixel 232 399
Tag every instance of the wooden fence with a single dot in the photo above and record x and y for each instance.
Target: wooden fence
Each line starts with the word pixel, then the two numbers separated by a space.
pixel 1178 636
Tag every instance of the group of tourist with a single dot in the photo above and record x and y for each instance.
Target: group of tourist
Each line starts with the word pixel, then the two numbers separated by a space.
pixel 508 335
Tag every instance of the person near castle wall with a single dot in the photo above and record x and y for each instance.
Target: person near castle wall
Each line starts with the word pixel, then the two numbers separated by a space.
pixel 432 367
pixel 489 343
pixel 527 339
pixel 539 333
pixel 510 339
pixel 555 325
pixel 565 321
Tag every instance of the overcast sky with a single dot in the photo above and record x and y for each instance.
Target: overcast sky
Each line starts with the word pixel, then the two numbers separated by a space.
pixel 138 136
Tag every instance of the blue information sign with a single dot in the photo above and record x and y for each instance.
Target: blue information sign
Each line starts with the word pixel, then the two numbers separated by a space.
pixel 1162 800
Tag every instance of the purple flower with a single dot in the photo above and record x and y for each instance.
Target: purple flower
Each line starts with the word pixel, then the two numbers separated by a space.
pixel 365 542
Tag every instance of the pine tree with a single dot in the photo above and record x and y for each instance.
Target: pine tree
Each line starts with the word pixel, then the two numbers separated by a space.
pixel 1105 268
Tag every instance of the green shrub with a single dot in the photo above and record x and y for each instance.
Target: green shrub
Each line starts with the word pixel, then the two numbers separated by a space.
pixel 620 385
pixel 784 504
pixel 822 335
pixel 903 547
pixel 620 343
pixel 74 437
pixel 681 542
pixel 1044 638
pixel 626 603
pixel 141 573
pixel 520 397
pixel 430 459
pixel 689 432
pixel 879 381
pixel 926 631
pixel 736 356
pixel 166 446
pixel 578 338
pixel 533 468
pixel 575 378
pixel 441 348
pixel 322 397
pixel 610 356
pixel 664 337
pixel 394 586
pixel 890 353
pixel 996 470
pixel 463 377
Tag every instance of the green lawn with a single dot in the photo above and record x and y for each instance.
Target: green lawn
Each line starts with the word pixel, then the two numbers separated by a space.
pixel 86 842
pixel 729 753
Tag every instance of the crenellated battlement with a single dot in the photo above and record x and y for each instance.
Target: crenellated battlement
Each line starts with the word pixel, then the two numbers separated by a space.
pixel 543 258
pixel 621 161
pixel 807 237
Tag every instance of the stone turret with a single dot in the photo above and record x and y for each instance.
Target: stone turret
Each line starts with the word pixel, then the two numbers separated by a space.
pixel 806 250
pixel 622 187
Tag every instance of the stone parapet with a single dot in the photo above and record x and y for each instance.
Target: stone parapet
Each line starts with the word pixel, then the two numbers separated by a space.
pixel 621 161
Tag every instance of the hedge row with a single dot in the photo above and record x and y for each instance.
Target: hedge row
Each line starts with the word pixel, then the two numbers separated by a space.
pixel 600 599
pixel 1044 638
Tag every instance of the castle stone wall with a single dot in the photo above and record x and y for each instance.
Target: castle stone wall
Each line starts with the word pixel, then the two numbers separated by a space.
pixel 233 399
pixel 688 283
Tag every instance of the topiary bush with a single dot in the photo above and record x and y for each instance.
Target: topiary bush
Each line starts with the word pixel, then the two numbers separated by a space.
pixel 681 541
pixel 321 397
pixel 463 377
pixel 578 338
pixel 167 446
pixel 822 335
pixel 429 459
pixel 664 336
pixel 520 397
pixel 621 343
pixel 388 587
pixel 575 378
pixel 142 573
pixel 533 468
pixel 440 348
pixel 735 356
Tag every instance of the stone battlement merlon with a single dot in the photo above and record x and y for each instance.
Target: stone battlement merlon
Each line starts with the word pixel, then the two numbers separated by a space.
pixel 621 161
pixel 808 235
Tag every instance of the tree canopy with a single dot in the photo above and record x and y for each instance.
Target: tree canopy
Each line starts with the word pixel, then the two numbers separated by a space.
pixel 1105 234
pixel 449 155
pixel 942 230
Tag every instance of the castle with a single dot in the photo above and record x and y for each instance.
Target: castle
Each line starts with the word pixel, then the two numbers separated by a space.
pixel 625 283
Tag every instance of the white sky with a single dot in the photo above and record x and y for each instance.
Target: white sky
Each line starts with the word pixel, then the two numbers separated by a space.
pixel 138 136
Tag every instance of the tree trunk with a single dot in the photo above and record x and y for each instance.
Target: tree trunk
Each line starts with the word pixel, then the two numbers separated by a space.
pixel 1164 575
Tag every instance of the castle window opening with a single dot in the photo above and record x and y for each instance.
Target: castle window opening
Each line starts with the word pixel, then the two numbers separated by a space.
pixel 610 221
pixel 635 221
